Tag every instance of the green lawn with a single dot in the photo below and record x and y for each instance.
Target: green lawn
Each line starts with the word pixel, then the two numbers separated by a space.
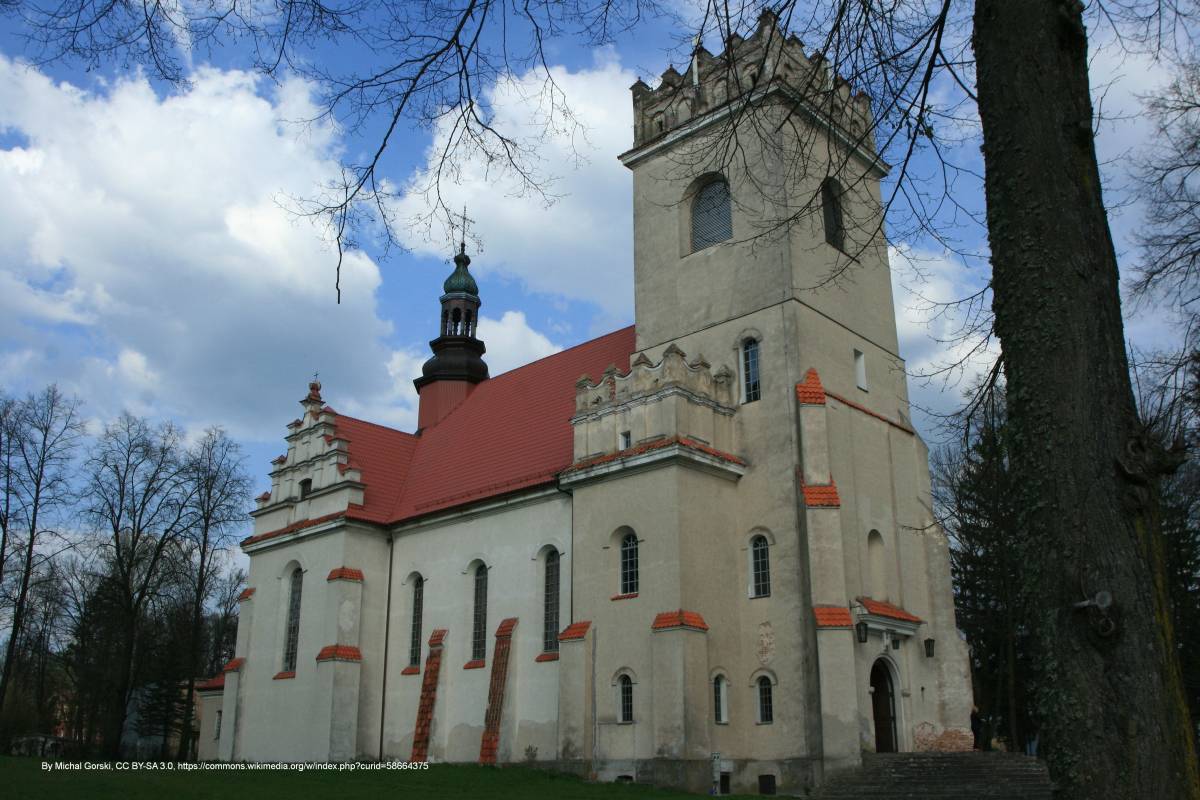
pixel 22 778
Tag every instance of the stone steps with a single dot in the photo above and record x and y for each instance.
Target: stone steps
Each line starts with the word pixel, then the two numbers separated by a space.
pixel 962 776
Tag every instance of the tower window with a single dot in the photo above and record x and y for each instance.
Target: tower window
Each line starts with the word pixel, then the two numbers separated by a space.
pixel 305 488
pixel 766 709
pixel 751 389
pixel 629 564
pixel 479 629
pixel 626 440
pixel 720 698
pixel 760 567
pixel 625 687
pixel 831 206
pixel 292 631
pixel 712 220
pixel 860 369
pixel 550 604
pixel 418 610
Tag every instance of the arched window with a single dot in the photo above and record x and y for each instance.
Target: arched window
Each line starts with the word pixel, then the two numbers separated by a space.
pixel 292 637
pixel 455 321
pixel 629 563
pixel 550 604
pixel 625 690
pixel 720 700
pixel 766 709
pixel 712 221
pixel 751 389
pixel 418 610
pixel 831 205
pixel 760 567
pixel 305 488
pixel 479 630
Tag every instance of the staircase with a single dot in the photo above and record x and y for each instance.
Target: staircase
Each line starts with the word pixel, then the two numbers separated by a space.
pixel 963 776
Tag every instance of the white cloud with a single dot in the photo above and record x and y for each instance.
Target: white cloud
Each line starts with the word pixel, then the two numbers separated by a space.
pixel 581 245
pixel 511 342
pixel 146 263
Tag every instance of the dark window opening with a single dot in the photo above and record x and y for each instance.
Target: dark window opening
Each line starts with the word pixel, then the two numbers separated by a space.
pixel 626 685
pixel 712 219
pixel 760 566
pixel 479 630
pixel 751 387
pixel 831 206
pixel 414 644
pixel 766 710
pixel 766 784
pixel 629 564
pixel 292 639
pixel 550 611
pixel 305 488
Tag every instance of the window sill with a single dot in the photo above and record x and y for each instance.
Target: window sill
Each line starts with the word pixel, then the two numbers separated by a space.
pixel 764 723
pixel 760 596
pixel 628 596
pixel 721 722
pixel 475 664
pixel 625 722
pixel 284 676
pixel 411 671
pixel 546 657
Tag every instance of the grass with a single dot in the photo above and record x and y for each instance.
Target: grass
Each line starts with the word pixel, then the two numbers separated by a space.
pixel 25 779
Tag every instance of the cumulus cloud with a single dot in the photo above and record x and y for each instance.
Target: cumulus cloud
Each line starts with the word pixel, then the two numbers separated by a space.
pixel 580 246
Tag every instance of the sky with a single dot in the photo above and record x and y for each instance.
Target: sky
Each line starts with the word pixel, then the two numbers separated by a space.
pixel 149 259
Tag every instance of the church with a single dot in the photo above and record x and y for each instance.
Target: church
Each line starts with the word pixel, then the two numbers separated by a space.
pixel 697 552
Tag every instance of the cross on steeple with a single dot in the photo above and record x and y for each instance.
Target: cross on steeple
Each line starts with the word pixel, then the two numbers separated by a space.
pixel 462 247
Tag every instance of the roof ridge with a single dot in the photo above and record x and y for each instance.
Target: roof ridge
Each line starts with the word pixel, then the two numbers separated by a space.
pixel 376 425
pixel 559 353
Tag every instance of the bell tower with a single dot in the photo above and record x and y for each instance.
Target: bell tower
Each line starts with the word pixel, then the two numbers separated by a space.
pixel 457 364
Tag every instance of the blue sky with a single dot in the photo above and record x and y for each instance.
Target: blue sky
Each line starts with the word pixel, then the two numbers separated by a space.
pixel 148 260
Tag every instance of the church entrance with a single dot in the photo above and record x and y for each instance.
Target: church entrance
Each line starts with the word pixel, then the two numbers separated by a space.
pixel 883 704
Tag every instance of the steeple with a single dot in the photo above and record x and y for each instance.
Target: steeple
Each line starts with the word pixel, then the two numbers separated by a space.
pixel 457 363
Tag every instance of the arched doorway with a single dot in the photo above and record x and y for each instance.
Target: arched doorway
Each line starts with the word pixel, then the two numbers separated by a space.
pixel 883 706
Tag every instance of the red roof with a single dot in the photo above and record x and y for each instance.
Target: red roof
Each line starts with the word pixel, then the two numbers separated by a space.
pixel 832 616
pixel 212 684
pixel 881 609
pixel 512 432
pixel 339 652
pixel 345 574
pixel 574 631
pixel 679 619
pixel 825 496
pixel 810 391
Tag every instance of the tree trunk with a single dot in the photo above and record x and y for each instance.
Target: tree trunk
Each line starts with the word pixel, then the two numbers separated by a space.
pixel 185 730
pixel 18 622
pixel 1107 691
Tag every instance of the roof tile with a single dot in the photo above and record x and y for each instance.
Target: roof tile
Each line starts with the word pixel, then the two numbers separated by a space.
pixel 832 617
pixel 882 609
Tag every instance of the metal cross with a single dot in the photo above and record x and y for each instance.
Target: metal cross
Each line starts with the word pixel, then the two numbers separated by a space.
pixel 465 220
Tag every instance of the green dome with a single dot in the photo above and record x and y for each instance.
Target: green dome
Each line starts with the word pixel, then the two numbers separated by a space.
pixel 460 280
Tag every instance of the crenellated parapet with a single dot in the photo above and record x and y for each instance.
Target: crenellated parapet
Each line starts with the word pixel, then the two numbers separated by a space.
pixel 769 60
pixel 673 400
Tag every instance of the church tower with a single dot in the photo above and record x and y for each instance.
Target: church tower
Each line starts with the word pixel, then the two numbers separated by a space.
pixel 457 364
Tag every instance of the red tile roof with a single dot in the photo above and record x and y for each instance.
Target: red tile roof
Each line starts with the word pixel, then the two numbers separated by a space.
pixel 512 432
pixel 284 676
pixel 345 574
pixel 246 594
pixel 212 684
pixel 881 609
pixel 437 637
pixel 233 666
pixel 506 628
pixel 832 617
pixel 821 496
pixel 575 631
pixel 679 619
pixel 339 652
pixel 810 391
pixel 543 657
pixel 870 413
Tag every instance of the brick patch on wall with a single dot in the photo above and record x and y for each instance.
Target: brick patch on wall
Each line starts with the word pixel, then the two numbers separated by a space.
pixel 491 721
pixel 433 665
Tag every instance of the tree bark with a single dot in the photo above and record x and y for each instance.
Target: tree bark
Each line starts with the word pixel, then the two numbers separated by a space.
pixel 1108 692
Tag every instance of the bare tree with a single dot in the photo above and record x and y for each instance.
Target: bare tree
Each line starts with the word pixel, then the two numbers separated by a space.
pixel 1107 689
pixel 136 494
pixel 219 492
pixel 48 432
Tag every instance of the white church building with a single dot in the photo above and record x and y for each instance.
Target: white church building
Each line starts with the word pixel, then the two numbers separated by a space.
pixel 698 551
